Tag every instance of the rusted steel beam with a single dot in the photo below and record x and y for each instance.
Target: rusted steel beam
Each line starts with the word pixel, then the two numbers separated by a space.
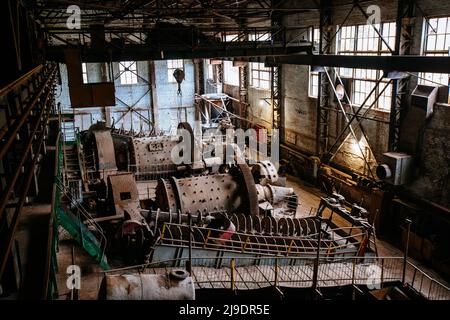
pixel 17 125
pixel 16 83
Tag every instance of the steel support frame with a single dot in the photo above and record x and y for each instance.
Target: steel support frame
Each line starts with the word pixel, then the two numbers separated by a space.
pixel 323 114
pixel 275 85
pixel 243 93
pixel 403 36
pixel 275 97
pixel 219 74
pixel 199 76
pixel 409 63
pixel 131 108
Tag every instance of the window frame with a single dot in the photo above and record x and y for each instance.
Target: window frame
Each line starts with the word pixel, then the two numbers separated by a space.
pixel 260 69
pixel 366 78
pixel 128 73
pixel 434 77
pixel 84 72
pixel 314 75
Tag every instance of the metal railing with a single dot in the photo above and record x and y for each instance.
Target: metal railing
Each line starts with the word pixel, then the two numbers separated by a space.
pixel 252 273
pixel 50 288
pixel 27 104
pixel 83 216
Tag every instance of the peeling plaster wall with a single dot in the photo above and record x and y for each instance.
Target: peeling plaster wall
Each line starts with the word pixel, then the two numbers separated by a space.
pixel 259 111
pixel 434 161
pixel 300 110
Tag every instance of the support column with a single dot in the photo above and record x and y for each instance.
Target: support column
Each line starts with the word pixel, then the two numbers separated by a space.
pixel 106 113
pixel 322 120
pixel 275 87
pixel 199 76
pixel 403 37
pixel 154 98
pixel 243 94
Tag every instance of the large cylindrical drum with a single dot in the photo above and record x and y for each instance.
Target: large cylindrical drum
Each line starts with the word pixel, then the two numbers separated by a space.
pixel 178 285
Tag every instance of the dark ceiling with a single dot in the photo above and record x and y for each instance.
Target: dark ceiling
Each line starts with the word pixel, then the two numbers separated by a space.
pixel 135 13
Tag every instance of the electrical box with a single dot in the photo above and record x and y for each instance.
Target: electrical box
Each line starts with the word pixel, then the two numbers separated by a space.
pixel 396 168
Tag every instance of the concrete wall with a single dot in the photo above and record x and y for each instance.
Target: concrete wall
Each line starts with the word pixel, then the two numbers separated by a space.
pixel 300 110
pixel 259 111
pixel 136 95
pixel 168 106
pixel 433 163
pixel 172 108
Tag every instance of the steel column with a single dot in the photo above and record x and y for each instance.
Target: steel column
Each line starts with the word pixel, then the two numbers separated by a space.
pixel 322 119
pixel 405 9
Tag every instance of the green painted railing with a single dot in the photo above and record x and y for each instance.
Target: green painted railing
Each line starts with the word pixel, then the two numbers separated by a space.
pixel 72 217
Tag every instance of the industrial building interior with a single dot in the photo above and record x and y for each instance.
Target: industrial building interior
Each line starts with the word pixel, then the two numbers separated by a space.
pixel 213 149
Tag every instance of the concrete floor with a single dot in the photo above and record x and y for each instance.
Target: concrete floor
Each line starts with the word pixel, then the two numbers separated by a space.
pixel 31 236
pixel 309 198
pixel 70 253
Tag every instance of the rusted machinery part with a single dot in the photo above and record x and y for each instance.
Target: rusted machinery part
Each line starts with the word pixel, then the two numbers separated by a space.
pixel 245 176
pixel 283 226
pixel 232 192
pixel 134 234
pixel 166 197
pixel 123 193
pixel 256 243
pixel 105 150
pixel 219 192
pixel 174 286
pixel 178 274
pixel 187 126
pixel 286 226
pixel 156 219
pixel 265 170
pixel 279 194
pixel 151 153
pixel 275 195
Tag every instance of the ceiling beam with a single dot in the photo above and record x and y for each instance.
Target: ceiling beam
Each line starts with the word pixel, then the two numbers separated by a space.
pixel 145 52
pixel 389 63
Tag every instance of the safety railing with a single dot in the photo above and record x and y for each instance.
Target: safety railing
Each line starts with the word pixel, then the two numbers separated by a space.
pixel 50 289
pixel 83 216
pixel 234 272
pixel 26 105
